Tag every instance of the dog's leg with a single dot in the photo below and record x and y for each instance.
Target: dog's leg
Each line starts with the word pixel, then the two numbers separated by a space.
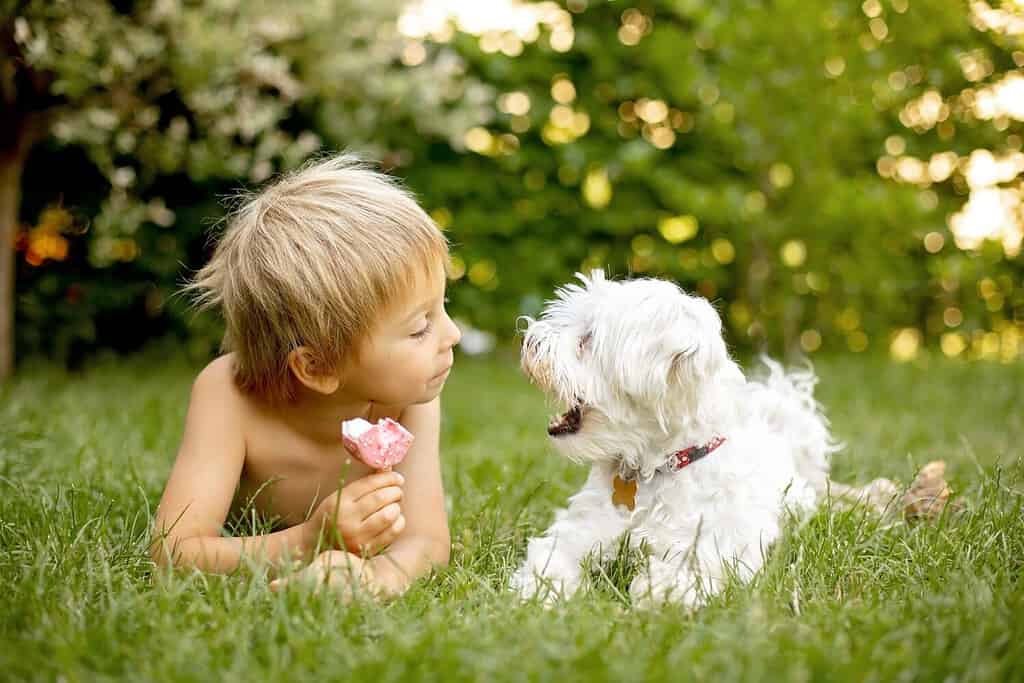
pixel 553 565
pixel 670 581
pixel 688 573
pixel 880 495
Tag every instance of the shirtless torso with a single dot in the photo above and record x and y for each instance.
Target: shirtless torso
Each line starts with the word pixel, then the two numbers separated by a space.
pixel 288 473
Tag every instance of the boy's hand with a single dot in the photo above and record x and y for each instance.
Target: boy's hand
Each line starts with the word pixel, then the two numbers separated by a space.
pixel 348 575
pixel 338 570
pixel 365 514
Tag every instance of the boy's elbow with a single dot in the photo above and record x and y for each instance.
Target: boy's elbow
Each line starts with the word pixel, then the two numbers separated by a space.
pixel 440 550
pixel 444 554
pixel 161 556
pixel 164 551
pixel 171 552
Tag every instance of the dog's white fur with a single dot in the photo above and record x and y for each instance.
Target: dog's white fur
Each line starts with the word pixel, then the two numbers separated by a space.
pixel 651 369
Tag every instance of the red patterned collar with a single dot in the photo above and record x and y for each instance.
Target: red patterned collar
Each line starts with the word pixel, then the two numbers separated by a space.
pixel 692 454
pixel 678 460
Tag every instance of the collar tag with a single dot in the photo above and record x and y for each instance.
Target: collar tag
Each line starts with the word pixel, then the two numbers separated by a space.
pixel 624 492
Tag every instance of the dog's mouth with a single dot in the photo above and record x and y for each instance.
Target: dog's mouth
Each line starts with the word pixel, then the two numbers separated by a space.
pixel 568 422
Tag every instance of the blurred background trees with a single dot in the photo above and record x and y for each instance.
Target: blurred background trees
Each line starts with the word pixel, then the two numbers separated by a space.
pixel 834 175
pixel 150 109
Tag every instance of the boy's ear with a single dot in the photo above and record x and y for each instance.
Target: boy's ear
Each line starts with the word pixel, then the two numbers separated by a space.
pixel 310 372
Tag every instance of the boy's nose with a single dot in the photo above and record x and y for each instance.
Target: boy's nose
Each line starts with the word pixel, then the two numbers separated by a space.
pixel 454 333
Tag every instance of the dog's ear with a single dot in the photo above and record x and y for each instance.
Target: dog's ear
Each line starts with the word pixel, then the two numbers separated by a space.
pixel 661 375
pixel 680 362
pixel 674 383
pixel 689 364
pixel 698 354
pixel 697 332
pixel 659 359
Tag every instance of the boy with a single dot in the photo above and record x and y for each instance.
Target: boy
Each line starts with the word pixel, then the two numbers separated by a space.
pixel 331 281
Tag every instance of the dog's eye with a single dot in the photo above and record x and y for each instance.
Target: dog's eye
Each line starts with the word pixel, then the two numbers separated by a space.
pixel 584 340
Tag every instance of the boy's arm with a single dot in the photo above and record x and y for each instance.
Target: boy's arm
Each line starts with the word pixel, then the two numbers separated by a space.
pixel 202 483
pixel 425 541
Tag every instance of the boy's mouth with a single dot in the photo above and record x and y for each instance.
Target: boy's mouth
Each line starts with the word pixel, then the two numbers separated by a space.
pixel 568 422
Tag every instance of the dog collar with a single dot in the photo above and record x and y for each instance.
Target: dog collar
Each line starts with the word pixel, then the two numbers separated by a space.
pixel 624 487
pixel 688 456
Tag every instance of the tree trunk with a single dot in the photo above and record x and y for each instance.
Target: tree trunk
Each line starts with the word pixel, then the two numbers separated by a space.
pixel 11 164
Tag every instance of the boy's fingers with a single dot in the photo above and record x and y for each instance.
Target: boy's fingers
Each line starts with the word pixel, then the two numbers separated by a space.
pixel 376 500
pixel 381 521
pixel 388 535
pixel 372 482
pixel 397 528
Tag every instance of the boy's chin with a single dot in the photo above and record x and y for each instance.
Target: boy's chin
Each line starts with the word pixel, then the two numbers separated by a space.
pixel 430 393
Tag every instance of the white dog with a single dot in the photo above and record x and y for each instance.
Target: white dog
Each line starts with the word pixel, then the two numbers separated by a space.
pixel 686 454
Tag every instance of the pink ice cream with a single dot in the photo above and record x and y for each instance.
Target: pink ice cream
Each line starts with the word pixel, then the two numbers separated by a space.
pixel 381 446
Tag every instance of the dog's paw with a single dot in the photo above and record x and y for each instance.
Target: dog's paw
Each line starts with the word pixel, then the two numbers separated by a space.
pixel 928 496
pixel 529 586
pixel 523 584
pixel 665 584
pixel 880 494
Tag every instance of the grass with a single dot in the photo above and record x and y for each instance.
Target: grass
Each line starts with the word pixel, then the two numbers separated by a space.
pixel 83 459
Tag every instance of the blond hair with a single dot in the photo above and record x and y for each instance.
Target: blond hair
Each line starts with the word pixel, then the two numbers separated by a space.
pixel 312 260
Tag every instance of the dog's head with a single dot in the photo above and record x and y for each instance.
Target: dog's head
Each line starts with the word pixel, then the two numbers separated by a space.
pixel 630 360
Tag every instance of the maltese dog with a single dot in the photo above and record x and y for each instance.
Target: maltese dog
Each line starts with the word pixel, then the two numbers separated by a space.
pixel 688 457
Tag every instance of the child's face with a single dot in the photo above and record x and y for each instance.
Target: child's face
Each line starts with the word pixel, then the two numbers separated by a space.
pixel 407 357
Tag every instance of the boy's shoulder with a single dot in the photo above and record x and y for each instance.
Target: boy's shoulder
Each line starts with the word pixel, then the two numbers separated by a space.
pixel 216 383
pixel 216 390
pixel 218 373
pixel 216 394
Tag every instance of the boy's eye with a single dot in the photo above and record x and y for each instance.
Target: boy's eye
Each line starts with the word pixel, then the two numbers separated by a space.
pixel 426 329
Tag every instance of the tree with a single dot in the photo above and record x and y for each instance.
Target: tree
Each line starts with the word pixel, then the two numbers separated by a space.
pixel 152 89
pixel 734 147
pixel 745 149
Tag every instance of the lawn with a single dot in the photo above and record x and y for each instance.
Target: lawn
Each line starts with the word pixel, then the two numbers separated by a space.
pixel 83 459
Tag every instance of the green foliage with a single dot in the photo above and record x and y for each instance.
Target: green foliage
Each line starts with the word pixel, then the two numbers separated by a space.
pixel 171 103
pixel 754 180
pixel 772 117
